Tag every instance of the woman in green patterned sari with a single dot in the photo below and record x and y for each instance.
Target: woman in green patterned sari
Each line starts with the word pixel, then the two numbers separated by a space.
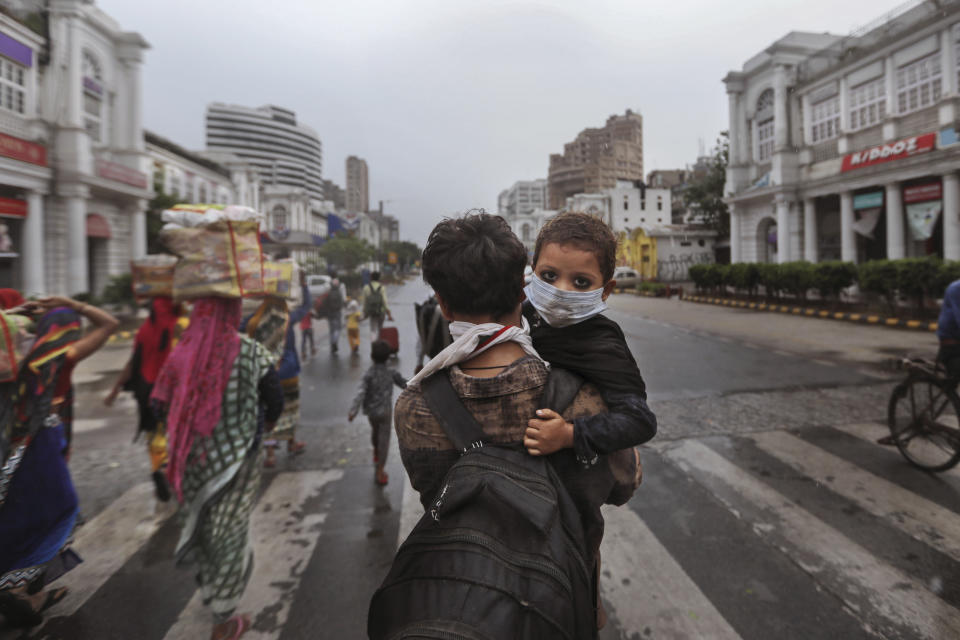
pixel 209 392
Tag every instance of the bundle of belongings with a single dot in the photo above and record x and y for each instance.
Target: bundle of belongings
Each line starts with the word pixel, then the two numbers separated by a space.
pixel 153 276
pixel 219 250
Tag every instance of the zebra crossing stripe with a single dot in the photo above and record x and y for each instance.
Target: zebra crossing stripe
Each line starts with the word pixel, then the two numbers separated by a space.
pixel 916 516
pixel 108 540
pixel 872 431
pixel 283 539
pixel 890 602
pixel 634 562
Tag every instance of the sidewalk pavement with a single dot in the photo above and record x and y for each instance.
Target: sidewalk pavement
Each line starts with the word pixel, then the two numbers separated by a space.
pixel 870 345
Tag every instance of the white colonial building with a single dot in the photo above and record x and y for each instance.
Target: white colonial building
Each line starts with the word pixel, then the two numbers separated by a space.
pixel 847 147
pixel 193 177
pixel 73 167
pixel 296 223
pixel 626 206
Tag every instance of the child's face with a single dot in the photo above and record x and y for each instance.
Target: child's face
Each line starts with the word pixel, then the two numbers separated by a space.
pixel 570 268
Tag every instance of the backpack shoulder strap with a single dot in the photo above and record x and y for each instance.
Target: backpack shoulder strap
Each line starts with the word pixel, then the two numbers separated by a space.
pixel 458 423
pixel 561 388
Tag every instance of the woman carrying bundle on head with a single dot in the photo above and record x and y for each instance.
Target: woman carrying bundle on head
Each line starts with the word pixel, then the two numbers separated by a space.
pixel 209 393
pixel 272 326
pixel 155 339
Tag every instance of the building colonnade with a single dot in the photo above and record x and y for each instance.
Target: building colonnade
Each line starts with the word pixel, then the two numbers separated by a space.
pixel 801 213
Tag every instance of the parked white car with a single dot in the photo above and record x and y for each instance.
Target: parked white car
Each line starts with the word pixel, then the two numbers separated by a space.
pixel 626 277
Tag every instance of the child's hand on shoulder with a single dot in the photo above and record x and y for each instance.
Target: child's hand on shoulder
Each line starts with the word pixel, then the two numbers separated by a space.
pixel 547 433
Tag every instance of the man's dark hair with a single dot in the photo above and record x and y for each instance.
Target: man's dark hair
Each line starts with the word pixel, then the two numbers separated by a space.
pixel 375 276
pixel 380 351
pixel 332 273
pixel 585 232
pixel 475 265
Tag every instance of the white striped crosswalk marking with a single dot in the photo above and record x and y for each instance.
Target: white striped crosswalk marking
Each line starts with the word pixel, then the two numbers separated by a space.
pixel 916 516
pixel 865 584
pixel 647 589
pixel 873 431
pixel 107 541
pixel 281 551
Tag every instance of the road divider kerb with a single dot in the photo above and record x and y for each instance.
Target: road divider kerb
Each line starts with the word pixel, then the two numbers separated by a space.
pixel 860 318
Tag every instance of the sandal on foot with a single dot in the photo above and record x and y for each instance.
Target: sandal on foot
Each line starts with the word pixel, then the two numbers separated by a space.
pixel 296 448
pixel 243 625
pixel 53 597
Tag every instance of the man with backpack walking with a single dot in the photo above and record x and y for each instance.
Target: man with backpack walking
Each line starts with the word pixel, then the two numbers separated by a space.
pixel 375 305
pixel 508 545
pixel 333 310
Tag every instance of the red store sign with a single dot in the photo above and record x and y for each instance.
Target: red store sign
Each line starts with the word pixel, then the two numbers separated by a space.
pixel 23 150
pixel 13 207
pixel 923 193
pixel 121 173
pixel 889 151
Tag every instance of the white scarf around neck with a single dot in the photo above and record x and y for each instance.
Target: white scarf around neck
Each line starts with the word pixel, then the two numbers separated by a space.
pixel 466 339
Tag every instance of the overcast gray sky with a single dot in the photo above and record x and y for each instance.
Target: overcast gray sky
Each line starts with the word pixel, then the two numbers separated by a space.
pixel 449 101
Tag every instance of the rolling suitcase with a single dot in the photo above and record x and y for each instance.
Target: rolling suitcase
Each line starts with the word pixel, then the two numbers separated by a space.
pixel 391 336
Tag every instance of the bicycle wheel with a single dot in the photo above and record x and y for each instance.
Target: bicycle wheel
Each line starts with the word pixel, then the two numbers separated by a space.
pixel 924 419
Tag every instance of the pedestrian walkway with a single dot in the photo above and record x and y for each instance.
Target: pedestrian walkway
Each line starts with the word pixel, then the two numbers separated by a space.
pixel 729 536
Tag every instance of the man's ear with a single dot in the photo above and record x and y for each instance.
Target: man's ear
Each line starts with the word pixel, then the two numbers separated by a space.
pixel 444 309
pixel 608 289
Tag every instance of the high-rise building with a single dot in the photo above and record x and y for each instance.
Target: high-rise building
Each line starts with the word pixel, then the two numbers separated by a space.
pixel 522 198
pixel 358 186
pixel 335 194
pixel 282 151
pixel 597 158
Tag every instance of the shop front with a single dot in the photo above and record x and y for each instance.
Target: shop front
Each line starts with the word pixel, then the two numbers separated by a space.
pixel 24 179
pixel 13 212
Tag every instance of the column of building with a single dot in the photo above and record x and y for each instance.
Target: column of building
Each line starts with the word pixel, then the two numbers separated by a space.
pixel 736 158
pixel 75 200
pixel 34 274
pixel 810 239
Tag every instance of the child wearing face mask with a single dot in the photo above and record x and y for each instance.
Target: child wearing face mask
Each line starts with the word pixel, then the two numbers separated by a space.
pixel 573 265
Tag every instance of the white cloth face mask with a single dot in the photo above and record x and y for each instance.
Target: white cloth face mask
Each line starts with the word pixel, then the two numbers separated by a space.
pixel 563 308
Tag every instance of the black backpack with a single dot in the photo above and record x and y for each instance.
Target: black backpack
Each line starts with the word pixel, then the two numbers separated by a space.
pixel 500 553
pixel 333 303
pixel 433 328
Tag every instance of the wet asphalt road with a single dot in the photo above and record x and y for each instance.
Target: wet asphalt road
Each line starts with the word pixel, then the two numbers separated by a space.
pixel 704 387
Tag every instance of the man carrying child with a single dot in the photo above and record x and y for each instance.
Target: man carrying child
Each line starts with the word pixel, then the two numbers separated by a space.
pixel 475 265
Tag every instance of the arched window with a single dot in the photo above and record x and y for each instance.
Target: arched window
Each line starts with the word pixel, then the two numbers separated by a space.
pixel 764 120
pixel 280 218
pixel 93 115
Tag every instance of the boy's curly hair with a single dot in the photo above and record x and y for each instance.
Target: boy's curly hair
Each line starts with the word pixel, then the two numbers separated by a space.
pixel 585 232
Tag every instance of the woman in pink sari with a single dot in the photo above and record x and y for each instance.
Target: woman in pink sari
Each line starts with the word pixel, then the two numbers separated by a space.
pixel 209 392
